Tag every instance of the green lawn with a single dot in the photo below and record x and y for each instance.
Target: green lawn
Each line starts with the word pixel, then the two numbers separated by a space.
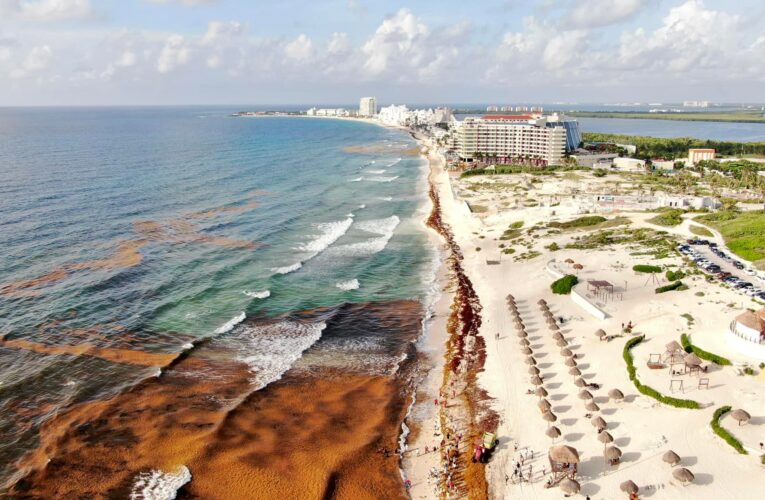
pixel 700 231
pixel 744 233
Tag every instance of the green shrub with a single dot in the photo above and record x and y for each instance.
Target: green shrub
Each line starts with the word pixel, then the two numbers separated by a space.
pixel 677 285
pixel 723 433
pixel 564 285
pixel 553 247
pixel 588 220
pixel 645 268
pixel 675 275
pixel 647 390
pixel 708 356
pixel 599 172
pixel 668 217
pixel 516 225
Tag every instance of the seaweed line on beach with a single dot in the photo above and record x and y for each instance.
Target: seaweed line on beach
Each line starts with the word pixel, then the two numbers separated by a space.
pixel 464 359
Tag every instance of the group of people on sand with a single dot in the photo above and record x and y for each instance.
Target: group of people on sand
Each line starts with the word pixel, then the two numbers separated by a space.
pixel 519 467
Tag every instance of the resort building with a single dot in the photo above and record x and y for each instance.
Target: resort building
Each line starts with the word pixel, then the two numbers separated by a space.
pixel 747 333
pixel 629 164
pixel 697 155
pixel 527 138
pixel 368 106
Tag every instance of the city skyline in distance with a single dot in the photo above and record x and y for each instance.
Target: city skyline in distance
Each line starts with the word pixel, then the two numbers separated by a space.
pixel 226 52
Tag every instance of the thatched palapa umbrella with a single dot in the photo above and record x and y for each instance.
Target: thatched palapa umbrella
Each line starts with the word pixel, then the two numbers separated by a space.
pixel 535 380
pixel 527 351
pixel 548 315
pixel 600 333
pixel 549 416
pixel 563 454
pixel 599 423
pixel 552 432
pixel 615 394
pixel 510 296
pixel 580 382
pixel 605 438
pixel 592 406
pixel 569 261
pixel 561 342
pixel 569 486
pixel 554 327
pixel 524 342
pixel 566 352
pixel 575 372
pixel 683 475
pixel 585 394
pixel 533 370
pixel 692 360
pixel 629 487
pixel 578 267
pixel 541 392
pixel 671 458
pixel 674 346
pixel 541 301
pixel 613 454
pixel 740 416
pixel 544 405
pixel 530 360
pixel 570 362
pixel 522 334
pixel 558 336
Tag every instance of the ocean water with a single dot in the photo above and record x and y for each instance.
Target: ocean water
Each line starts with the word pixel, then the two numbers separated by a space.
pixel 127 235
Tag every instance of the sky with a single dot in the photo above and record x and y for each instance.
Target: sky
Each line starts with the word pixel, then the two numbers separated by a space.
pixel 314 52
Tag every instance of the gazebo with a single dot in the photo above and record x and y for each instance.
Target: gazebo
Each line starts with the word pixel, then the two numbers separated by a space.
pixel 600 288
pixel 692 363
pixel 674 352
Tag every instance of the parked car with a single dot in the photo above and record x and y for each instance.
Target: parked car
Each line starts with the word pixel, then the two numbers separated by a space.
pixel 738 265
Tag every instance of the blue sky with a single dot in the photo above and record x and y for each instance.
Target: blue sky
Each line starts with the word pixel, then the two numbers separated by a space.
pixel 79 52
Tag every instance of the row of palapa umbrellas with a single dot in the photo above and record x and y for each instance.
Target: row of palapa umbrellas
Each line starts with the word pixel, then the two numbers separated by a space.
pixel 611 453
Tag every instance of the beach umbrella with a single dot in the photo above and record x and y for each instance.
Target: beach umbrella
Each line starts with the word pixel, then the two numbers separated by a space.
pixel 549 416
pixel 615 394
pixel 544 308
pixel 692 360
pixel 524 342
pixel 569 261
pixel 585 394
pixel 510 296
pixel 612 453
pixel 563 454
pixel 575 372
pixel 740 416
pixel 598 423
pixel 566 352
pixel 527 351
pixel 671 458
pixel 570 362
pixel 561 342
pixel 544 405
pixel 541 392
pixel 605 438
pixel 530 360
pixel 600 333
pixel 522 334
pixel 578 267
pixel 541 301
pixel 580 382
pixel 533 370
pixel 535 380
pixel 558 336
pixel 551 324
pixel 683 475
pixel 552 432
pixel 674 346
pixel 548 315
pixel 629 487
pixel 519 324
pixel 513 309
pixel 592 406
pixel 554 327
pixel 569 486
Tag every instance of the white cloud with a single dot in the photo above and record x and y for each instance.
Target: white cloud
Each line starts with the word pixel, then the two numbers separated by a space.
pixel 38 59
pixel 175 53
pixel 46 10
pixel 218 32
pixel 397 37
pixel 299 49
pixel 593 13
pixel 187 3
pixel 338 43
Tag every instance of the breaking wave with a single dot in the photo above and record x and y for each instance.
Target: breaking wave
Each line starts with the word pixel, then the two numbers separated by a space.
pixel 381 179
pixel 357 179
pixel 382 227
pixel 230 324
pixel 376 172
pixel 348 285
pixel 329 232
pixel 395 162
pixel 159 485
pixel 257 295
pixel 287 269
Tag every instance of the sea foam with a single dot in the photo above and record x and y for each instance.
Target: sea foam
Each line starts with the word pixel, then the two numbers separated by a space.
pixel 230 324
pixel 159 485
pixel 382 227
pixel 348 285
pixel 329 232
pixel 257 295
pixel 381 179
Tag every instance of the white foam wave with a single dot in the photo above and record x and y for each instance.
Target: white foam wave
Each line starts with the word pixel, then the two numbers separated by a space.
pixel 159 485
pixel 357 179
pixel 381 179
pixel 395 162
pixel 348 285
pixel 387 198
pixel 383 227
pixel 376 172
pixel 230 324
pixel 362 206
pixel 257 295
pixel 287 269
pixel 270 350
pixel 330 232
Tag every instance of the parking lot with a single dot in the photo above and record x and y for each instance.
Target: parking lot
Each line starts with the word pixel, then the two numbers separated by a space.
pixel 725 267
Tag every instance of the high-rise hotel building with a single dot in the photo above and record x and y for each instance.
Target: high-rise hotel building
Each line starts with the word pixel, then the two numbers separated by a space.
pixel 535 139
pixel 367 106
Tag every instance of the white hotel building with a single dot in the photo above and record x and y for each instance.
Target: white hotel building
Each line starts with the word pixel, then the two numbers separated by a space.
pixel 533 139
pixel 368 106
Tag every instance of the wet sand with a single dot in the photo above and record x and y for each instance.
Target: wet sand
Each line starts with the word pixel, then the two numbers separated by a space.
pixel 315 433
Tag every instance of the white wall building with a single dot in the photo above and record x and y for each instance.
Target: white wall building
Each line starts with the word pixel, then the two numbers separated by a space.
pixel 629 164
pixel 367 106
pixel 747 334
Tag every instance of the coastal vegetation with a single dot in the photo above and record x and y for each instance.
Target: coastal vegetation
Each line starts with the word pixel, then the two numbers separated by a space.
pixel 668 217
pixel 564 285
pixel 645 268
pixel 700 231
pixel 723 433
pixel 586 221
pixel 705 355
pixel 521 169
pixel 647 390
pixel 744 232
pixel 659 147
pixel 676 285
pixel 732 116
pixel 675 275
